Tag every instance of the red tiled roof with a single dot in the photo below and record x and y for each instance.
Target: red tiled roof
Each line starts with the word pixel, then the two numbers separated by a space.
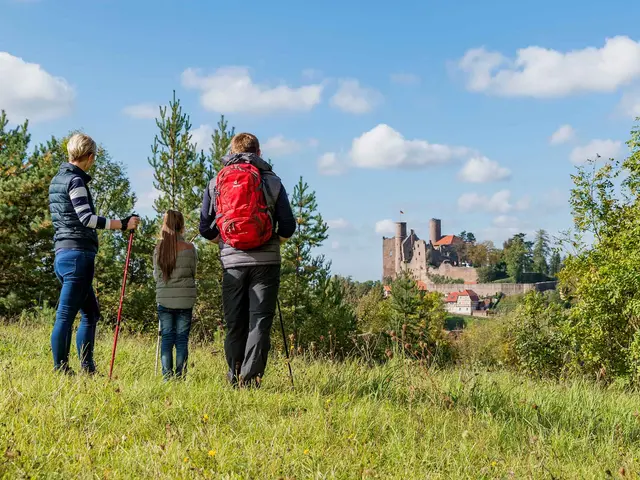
pixel 421 285
pixel 387 288
pixel 447 240
pixel 453 296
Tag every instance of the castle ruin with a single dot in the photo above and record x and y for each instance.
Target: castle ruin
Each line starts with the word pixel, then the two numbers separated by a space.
pixel 437 256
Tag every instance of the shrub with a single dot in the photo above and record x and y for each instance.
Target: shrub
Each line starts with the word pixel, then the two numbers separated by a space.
pixel 484 343
pixel 508 303
pixel 536 335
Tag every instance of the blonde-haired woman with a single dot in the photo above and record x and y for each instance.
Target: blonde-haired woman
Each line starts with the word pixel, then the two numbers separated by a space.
pixel 174 269
pixel 76 244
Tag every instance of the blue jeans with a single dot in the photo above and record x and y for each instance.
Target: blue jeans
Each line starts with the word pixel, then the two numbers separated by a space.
pixel 175 325
pixel 75 270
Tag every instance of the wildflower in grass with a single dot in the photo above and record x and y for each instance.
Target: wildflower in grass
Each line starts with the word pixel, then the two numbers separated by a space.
pixel 205 418
pixel 186 459
pixel 494 464
pixel 212 453
pixel 328 401
pixel 306 452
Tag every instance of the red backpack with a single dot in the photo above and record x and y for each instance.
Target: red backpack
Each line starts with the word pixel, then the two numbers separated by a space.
pixel 242 214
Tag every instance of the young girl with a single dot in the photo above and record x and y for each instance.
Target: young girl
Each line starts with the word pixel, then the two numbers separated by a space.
pixel 174 269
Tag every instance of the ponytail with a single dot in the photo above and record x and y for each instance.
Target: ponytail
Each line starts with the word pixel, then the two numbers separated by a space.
pixel 172 226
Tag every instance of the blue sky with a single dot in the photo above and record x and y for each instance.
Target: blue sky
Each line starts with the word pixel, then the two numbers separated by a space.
pixel 439 109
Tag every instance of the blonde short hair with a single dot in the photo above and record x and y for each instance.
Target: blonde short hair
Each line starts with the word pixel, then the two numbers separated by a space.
pixel 80 146
pixel 245 143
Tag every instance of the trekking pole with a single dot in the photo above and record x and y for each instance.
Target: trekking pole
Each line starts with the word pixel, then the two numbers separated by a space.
pixel 286 347
pixel 158 346
pixel 124 284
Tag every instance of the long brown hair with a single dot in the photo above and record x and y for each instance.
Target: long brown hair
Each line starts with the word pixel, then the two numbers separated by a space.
pixel 172 226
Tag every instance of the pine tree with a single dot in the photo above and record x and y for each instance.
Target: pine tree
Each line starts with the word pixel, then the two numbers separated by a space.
pixel 541 252
pixel 179 171
pixel 26 233
pixel 405 300
pixel 517 256
pixel 555 264
pixel 220 144
pixel 301 270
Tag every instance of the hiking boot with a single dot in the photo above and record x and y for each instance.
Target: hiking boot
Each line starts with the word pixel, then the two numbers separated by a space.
pixel 254 382
pixel 232 377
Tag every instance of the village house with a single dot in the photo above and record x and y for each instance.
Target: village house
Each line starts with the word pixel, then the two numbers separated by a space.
pixel 464 302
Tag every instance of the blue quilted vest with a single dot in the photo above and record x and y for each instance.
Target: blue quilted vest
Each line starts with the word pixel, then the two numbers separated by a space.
pixel 69 231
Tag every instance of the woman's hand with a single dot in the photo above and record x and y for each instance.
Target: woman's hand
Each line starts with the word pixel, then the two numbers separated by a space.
pixel 133 223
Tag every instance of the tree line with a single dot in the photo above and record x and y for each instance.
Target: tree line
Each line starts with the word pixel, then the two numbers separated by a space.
pixel 519 261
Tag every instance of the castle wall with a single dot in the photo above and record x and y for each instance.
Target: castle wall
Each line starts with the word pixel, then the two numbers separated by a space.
pixel 467 274
pixel 490 289
pixel 418 263
pixel 388 258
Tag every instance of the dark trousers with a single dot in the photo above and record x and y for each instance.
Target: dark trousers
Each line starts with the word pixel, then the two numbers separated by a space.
pixel 75 269
pixel 249 297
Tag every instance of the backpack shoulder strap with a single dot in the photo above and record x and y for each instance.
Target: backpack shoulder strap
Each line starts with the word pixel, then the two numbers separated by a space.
pixel 212 194
pixel 271 186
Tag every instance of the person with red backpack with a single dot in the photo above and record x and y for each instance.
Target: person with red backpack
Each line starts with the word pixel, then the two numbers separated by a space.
pixel 247 211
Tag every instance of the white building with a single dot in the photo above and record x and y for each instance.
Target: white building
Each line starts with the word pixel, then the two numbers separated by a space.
pixel 464 302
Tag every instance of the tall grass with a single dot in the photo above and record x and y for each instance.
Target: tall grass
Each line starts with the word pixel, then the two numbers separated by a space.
pixel 343 420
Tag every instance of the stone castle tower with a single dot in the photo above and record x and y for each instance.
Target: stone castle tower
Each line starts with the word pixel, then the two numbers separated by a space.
pixel 435 256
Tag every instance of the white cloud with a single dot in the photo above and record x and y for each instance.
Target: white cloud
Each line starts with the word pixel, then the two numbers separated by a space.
pixel 499 202
pixel 142 110
pixel 483 170
pixel 231 90
pixel 386 227
pixel 314 142
pixel 280 146
pixel 505 221
pixel 630 104
pixel 335 245
pixel 384 147
pixel 201 137
pixel 542 72
pixel 338 224
pixel 329 164
pixel 352 98
pixel 565 133
pixel 605 148
pixel 405 78
pixel 27 91
pixel 146 200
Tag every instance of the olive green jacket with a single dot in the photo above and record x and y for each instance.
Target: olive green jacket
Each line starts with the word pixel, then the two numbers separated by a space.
pixel 179 291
